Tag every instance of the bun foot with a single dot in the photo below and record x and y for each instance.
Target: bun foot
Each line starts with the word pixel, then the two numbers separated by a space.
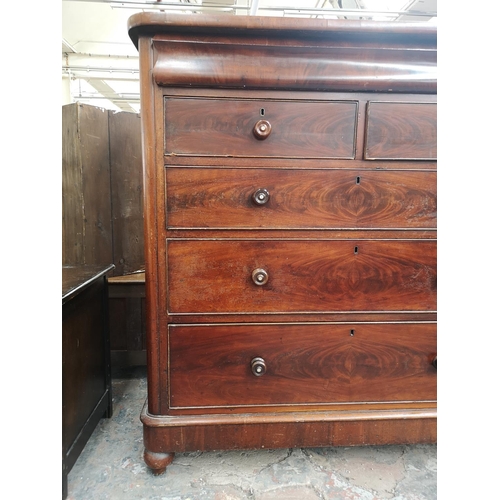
pixel 157 462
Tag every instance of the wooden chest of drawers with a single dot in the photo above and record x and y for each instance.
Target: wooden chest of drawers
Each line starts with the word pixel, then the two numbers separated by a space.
pixel 290 232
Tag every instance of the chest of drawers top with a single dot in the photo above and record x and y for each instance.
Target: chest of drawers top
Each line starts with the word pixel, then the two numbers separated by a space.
pixel 249 52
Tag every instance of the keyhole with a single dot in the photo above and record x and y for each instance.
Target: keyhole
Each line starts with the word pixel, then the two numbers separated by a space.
pixel 355 250
pixel 262 111
pixel 358 180
pixel 352 333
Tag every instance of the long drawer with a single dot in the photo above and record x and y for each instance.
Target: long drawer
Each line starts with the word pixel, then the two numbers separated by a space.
pixel 244 276
pixel 298 199
pixel 260 128
pixel 246 365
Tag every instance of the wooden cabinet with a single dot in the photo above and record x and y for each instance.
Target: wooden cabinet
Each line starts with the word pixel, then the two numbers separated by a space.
pixel 86 369
pixel 290 232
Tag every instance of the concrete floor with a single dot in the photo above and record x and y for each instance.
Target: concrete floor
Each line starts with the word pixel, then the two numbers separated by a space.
pixel 111 466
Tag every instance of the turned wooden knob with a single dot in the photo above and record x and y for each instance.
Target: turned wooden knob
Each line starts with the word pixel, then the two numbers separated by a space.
pixel 258 366
pixel 262 129
pixel 259 276
pixel 261 196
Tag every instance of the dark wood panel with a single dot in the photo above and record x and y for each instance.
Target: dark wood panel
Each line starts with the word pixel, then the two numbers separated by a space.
pixel 72 190
pixel 83 360
pixel 94 137
pixel 117 324
pixel 127 312
pixel 125 156
pixel 224 127
pixel 211 365
pixel 401 131
pixel 304 276
pixel 126 359
pixel 127 330
pixel 86 210
pixel 298 199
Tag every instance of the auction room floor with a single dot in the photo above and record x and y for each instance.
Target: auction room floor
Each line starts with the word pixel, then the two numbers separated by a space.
pixel 111 466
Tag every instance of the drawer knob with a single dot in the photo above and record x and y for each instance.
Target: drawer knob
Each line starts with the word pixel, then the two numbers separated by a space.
pixel 259 277
pixel 258 367
pixel 262 129
pixel 261 196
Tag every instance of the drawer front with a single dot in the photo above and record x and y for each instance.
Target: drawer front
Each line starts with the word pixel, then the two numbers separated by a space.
pixel 211 366
pixel 401 131
pixel 229 276
pixel 298 199
pixel 290 129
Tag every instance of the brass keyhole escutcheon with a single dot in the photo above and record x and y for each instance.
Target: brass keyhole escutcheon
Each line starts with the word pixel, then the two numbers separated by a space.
pixel 259 276
pixel 258 366
pixel 262 129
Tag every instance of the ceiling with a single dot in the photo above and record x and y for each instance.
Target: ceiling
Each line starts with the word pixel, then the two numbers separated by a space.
pixel 100 63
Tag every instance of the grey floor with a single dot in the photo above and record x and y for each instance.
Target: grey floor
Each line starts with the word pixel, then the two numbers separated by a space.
pixel 111 466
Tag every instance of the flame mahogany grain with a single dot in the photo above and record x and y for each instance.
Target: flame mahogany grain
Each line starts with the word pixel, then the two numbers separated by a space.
pixel 306 364
pixel 312 276
pixel 300 199
pixel 401 131
pixel 224 127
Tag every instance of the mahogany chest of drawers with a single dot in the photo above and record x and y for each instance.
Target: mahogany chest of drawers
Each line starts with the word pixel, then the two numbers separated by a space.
pixel 290 232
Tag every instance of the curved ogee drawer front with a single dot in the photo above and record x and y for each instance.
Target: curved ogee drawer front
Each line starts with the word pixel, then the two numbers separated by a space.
pixel 401 131
pixel 300 364
pixel 260 128
pixel 299 199
pixel 254 276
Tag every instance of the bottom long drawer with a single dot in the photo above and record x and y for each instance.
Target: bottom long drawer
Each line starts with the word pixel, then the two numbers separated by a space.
pixel 215 366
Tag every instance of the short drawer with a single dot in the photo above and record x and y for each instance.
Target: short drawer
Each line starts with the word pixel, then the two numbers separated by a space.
pixel 300 364
pixel 259 128
pixel 299 199
pixel 401 131
pixel 244 276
